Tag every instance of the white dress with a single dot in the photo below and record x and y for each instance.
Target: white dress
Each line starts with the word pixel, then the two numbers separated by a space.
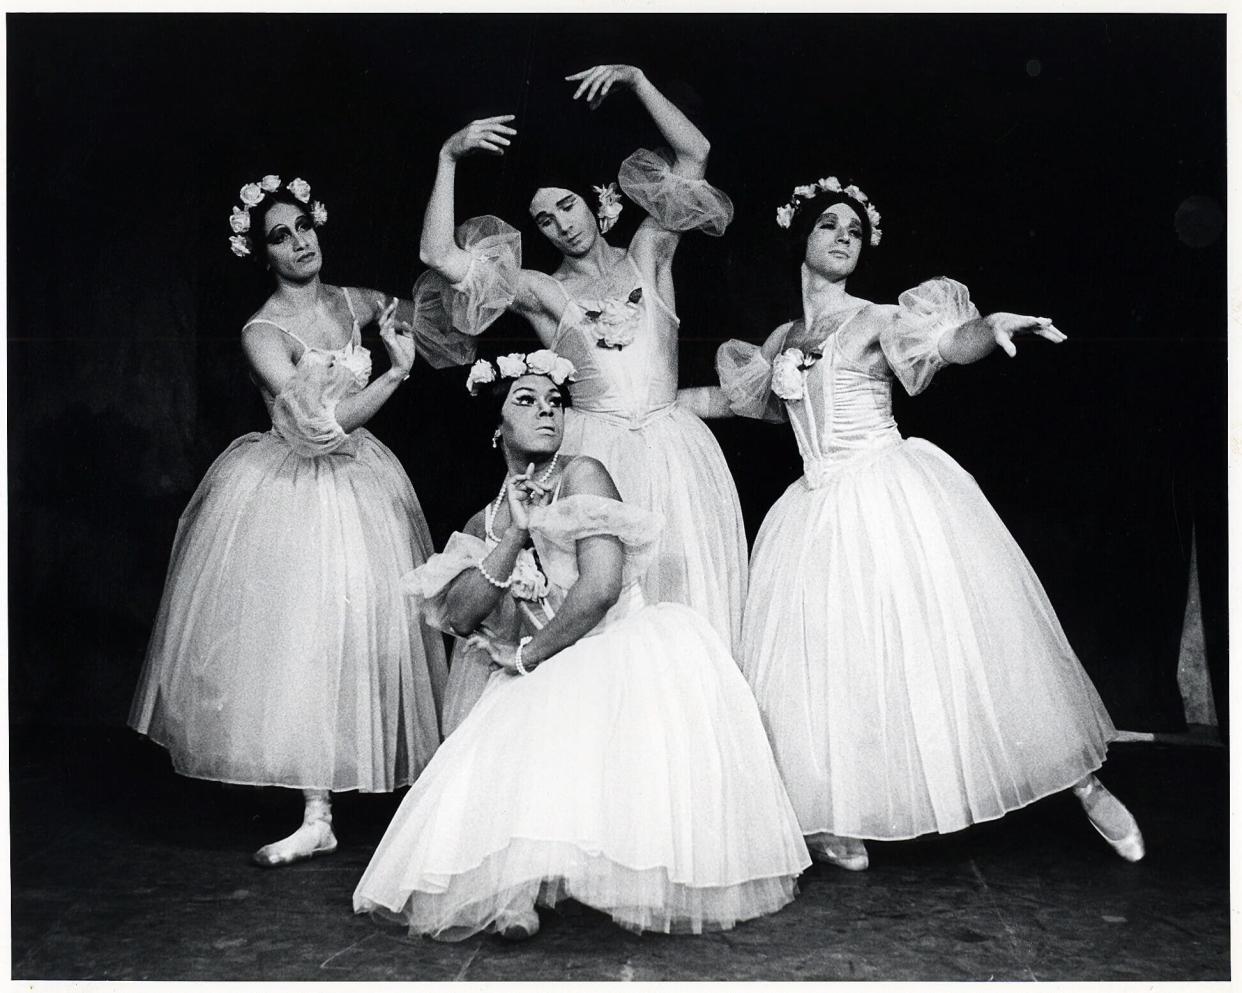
pixel 283 653
pixel 624 345
pixel 911 672
pixel 629 772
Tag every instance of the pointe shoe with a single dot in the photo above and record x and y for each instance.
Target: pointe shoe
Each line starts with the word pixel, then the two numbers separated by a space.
pixel 311 839
pixel 846 853
pixel 1104 809
pixel 517 925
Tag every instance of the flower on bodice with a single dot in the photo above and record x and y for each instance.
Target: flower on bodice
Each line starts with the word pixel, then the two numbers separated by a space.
pixel 528 580
pixel 613 320
pixel 788 381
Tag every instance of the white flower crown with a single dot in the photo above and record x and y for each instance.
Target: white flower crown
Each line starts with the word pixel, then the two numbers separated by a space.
pixel 802 194
pixel 253 194
pixel 610 206
pixel 543 362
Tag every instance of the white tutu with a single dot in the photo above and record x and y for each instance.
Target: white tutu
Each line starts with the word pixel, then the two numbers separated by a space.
pixel 910 669
pixel 629 772
pixel 283 653
pixel 911 672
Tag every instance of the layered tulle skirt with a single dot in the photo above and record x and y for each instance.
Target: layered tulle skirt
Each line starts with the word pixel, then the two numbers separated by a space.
pixel 629 772
pixel 910 670
pixel 673 465
pixel 283 652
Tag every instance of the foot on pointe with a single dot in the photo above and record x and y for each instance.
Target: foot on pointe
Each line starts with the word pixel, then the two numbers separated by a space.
pixel 1111 819
pixel 847 853
pixel 517 925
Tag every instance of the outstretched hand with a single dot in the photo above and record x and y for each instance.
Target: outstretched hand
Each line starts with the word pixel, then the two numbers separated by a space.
pixel 1005 327
pixel 597 82
pixel 489 135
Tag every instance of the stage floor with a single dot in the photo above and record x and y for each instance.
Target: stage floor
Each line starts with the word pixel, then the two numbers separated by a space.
pixel 122 870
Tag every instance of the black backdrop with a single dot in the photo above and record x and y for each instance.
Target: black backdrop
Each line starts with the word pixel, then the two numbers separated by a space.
pixel 1070 166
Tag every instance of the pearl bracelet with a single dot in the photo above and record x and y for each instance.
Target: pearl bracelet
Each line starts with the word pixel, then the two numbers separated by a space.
pixel 495 582
pixel 517 656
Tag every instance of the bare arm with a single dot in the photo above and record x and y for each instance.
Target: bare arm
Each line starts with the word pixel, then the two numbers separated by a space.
pixel 706 402
pixel 600 559
pixel 437 247
pixel 690 146
pixel 470 597
pixel 976 339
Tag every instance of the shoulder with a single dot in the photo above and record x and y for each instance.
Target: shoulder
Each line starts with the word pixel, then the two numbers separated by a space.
pixel 475 526
pixel 587 475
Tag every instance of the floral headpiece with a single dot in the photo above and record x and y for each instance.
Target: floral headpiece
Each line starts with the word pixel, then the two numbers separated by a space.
pixel 802 194
pixel 253 194
pixel 544 362
pixel 610 205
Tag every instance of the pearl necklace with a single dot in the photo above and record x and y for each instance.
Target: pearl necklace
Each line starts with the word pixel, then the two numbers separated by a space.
pixel 493 508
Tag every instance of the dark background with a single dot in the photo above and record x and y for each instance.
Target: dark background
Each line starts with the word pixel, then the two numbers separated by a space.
pixel 1068 166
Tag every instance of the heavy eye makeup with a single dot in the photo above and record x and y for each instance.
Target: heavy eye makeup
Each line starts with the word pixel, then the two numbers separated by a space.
pixel 281 232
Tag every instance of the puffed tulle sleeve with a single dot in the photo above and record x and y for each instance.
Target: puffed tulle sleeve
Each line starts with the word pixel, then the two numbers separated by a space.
pixel 446 312
pixel 911 342
pixel 304 414
pixel 429 583
pixel 745 372
pixel 677 203
pixel 557 527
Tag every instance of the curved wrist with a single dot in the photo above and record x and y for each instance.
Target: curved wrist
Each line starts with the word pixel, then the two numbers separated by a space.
pixel 395 376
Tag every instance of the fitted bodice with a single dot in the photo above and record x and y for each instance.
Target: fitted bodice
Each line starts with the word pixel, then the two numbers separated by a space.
pixel 350 364
pixel 846 407
pixel 624 349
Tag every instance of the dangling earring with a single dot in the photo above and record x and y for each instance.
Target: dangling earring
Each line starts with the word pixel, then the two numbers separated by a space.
pixel 495 437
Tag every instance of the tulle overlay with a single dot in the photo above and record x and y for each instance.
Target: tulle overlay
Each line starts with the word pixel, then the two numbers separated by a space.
pixel 629 772
pixel 674 465
pixel 678 203
pixel 283 652
pixel 909 667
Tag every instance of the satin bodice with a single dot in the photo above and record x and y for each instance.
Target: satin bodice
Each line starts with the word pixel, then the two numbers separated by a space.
pixel 847 404
pixel 633 383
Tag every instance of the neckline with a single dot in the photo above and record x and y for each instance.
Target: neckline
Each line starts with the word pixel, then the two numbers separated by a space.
pixel 852 312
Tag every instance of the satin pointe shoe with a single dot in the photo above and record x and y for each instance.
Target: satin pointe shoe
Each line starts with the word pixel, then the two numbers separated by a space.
pixel 1111 819
pixel 517 925
pixel 847 853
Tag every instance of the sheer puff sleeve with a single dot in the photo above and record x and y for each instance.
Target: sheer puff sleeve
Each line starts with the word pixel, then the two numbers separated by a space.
pixel 447 315
pixel 304 414
pixel 745 372
pixel 557 527
pixel 911 342
pixel 677 203
pixel 429 583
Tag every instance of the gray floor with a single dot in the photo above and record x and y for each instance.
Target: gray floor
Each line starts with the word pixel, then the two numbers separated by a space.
pixel 121 870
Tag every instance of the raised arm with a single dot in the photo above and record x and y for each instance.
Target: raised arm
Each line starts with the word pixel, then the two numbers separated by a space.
pixel 975 339
pixel 690 146
pixel 437 247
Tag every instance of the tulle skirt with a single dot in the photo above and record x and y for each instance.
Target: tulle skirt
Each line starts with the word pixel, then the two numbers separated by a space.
pixel 911 672
pixel 629 772
pixel 283 652
pixel 673 465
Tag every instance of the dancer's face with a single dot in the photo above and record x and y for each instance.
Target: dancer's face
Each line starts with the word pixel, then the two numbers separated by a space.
pixel 565 220
pixel 291 244
pixel 532 419
pixel 835 242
